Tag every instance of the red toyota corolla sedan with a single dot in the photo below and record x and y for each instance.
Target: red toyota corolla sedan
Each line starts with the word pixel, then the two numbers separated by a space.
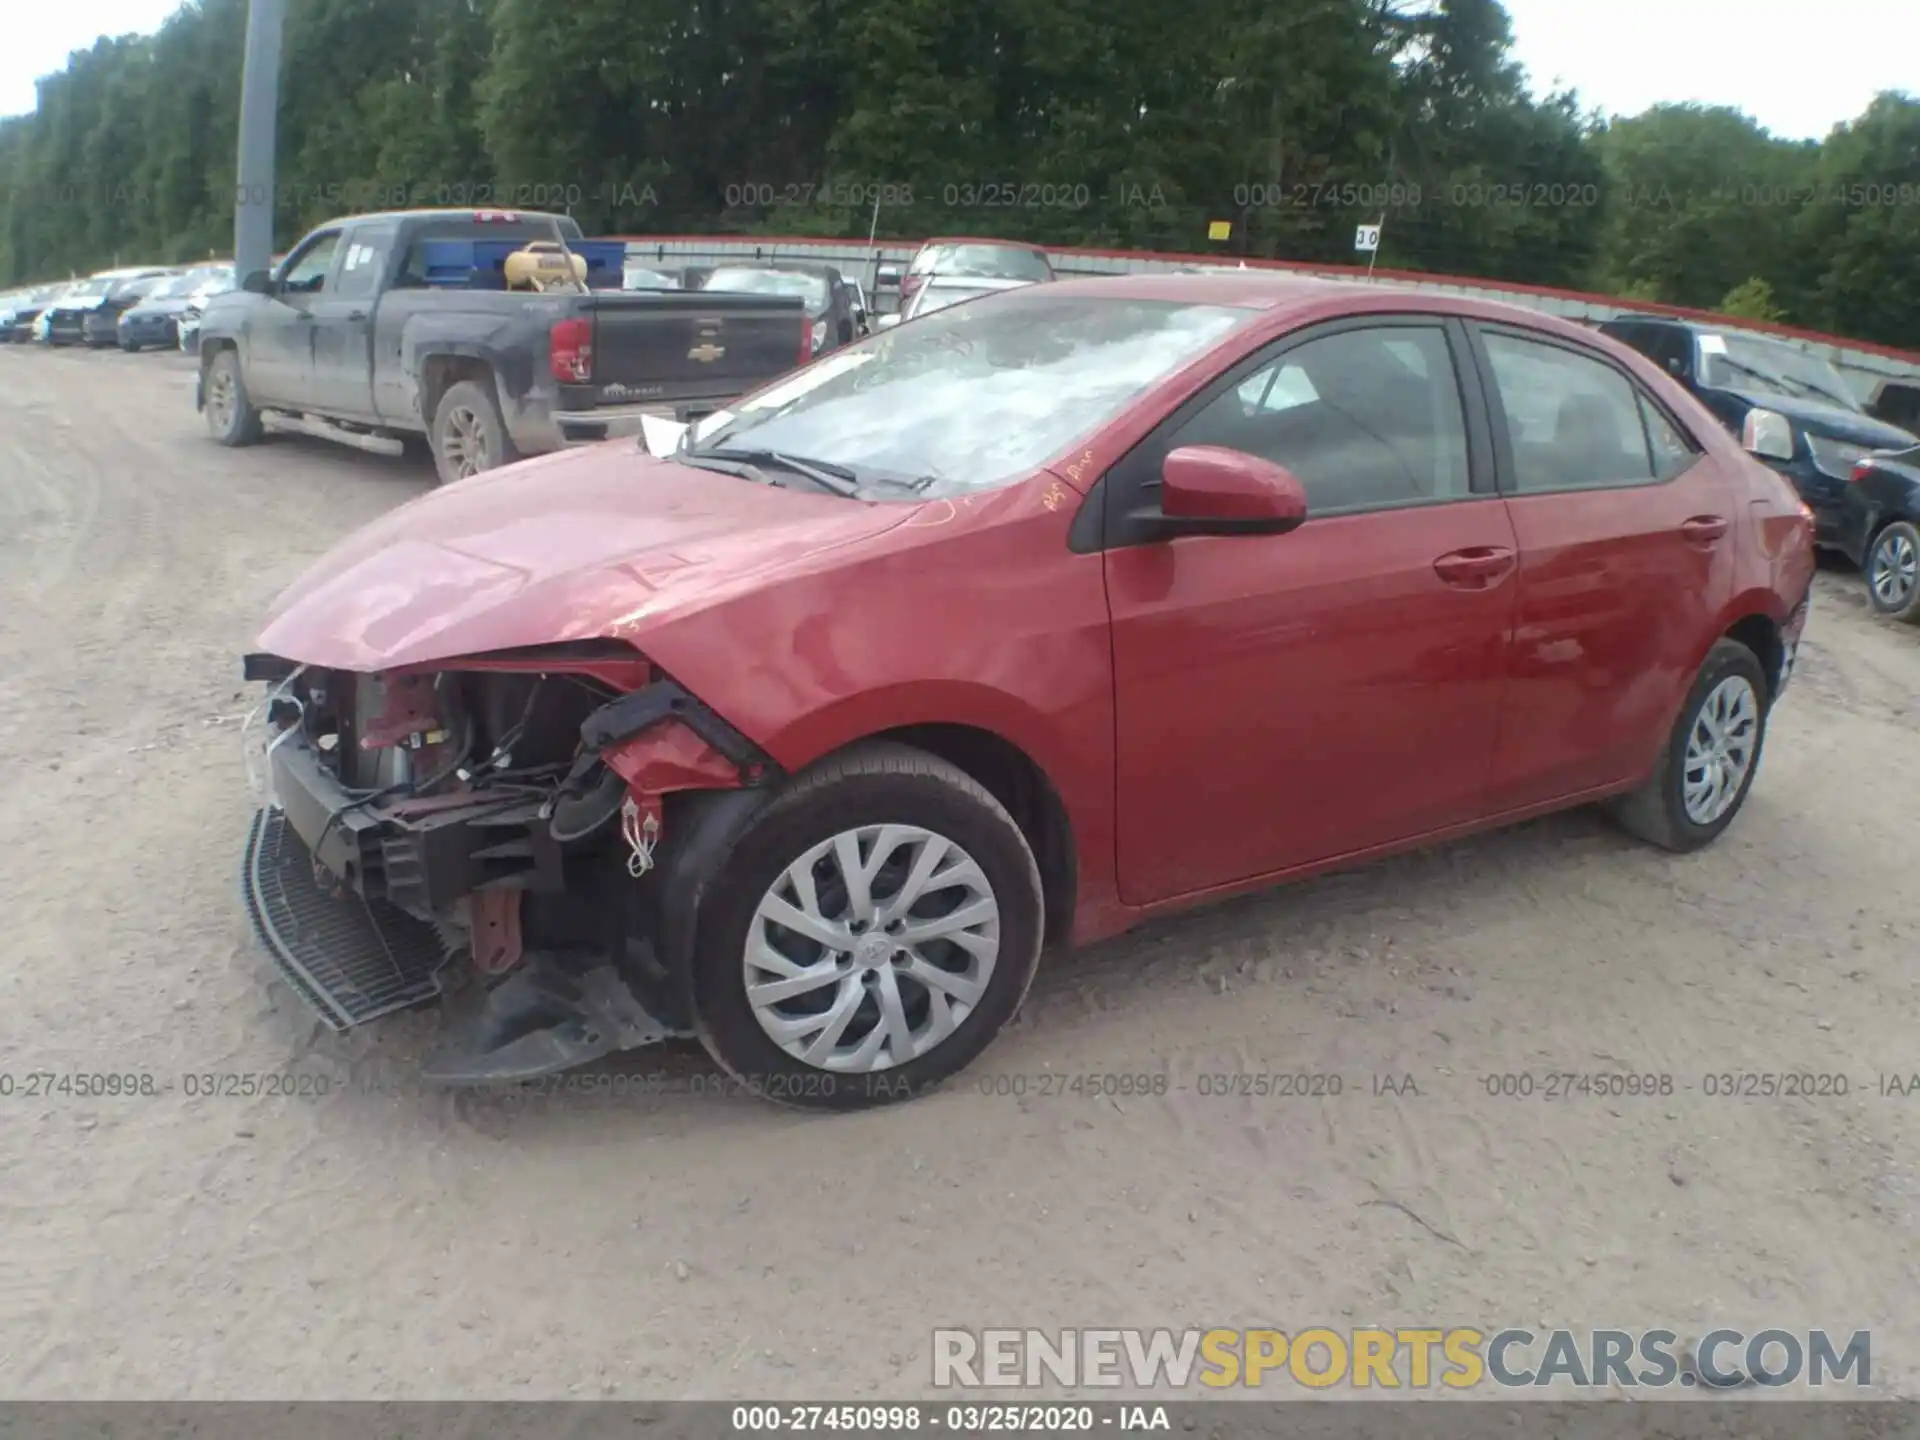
pixel 1016 625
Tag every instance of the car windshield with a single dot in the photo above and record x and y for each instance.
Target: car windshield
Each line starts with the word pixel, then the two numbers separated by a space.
pixel 1015 262
pixel 138 286
pixel 810 288
pixel 1738 362
pixel 977 396
pixel 96 289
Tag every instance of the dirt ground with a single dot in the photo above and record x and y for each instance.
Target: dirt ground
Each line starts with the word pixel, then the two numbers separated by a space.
pixel 389 1242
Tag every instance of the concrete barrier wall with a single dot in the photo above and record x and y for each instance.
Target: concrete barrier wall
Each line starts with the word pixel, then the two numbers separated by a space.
pixel 1864 365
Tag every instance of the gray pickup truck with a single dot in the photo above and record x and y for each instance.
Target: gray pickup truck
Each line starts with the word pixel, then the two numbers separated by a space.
pixel 369 333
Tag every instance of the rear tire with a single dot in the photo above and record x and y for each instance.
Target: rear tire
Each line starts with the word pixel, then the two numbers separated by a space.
pixel 468 433
pixel 1710 759
pixel 231 418
pixel 1893 572
pixel 900 813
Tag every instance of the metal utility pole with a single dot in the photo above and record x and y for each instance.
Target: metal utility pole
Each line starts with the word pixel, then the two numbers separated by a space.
pixel 259 107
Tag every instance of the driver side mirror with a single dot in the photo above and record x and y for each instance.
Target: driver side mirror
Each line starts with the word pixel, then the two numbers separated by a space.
pixel 257 282
pixel 1211 490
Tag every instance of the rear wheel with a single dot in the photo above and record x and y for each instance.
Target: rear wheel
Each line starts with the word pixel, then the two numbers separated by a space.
pixel 231 418
pixel 868 935
pixel 468 434
pixel 1893 572
pixel 1711 756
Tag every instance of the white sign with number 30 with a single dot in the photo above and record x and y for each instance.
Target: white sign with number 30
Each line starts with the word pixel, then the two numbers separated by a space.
pixel 1366 239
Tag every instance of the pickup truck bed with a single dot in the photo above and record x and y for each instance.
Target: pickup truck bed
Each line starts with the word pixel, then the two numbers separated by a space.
pixel 364 334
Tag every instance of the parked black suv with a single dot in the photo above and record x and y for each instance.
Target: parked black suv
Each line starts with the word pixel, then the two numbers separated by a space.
pixel 1789 407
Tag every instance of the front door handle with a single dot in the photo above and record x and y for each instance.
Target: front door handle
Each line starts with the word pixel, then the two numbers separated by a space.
pixel 1479 567
pixel 1704 529
pixel 356 315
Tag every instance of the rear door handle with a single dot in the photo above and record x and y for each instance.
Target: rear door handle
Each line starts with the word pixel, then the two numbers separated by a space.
pixel 1479 567
pixel 1704 529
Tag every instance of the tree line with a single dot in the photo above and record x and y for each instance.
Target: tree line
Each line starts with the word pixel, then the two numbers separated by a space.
pixel 1132 124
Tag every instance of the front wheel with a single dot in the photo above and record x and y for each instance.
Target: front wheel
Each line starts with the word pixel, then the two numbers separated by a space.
pixel 468 434
pixel 231 418
pixel 1893 572
pixel 1710 759
pixel 868 935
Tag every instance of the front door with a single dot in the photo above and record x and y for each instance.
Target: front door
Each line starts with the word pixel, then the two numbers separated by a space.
pixel 1284 699
pixel 279 348
pixel 1626 537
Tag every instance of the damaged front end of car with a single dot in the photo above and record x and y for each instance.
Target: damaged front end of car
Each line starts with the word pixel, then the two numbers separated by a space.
pixel 492 833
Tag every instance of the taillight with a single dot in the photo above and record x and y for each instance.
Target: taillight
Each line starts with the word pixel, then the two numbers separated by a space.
pixel 570 350
pixel 1860 471
pixel 806 337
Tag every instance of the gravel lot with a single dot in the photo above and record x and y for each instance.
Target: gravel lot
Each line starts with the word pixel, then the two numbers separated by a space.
pixel 390 1242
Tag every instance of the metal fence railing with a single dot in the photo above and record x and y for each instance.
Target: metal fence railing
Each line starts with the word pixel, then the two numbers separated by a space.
pixel 1864 365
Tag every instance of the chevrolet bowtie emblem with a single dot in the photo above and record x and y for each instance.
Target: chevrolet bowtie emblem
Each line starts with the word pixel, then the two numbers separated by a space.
pixel 706 352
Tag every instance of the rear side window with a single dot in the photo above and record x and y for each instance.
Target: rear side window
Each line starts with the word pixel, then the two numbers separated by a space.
pixel 1572 422
pixel 1366 419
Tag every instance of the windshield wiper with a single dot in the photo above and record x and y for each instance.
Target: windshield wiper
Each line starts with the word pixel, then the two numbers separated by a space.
pixel 828 476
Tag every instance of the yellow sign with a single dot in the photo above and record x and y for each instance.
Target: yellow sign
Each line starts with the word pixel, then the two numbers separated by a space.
pixel 1219 229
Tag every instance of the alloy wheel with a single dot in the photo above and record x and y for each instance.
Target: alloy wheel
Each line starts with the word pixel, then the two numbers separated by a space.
pixel 220 398
pixel 1893 570
pixel 871 948
pixel 464 442
pixel 1720 749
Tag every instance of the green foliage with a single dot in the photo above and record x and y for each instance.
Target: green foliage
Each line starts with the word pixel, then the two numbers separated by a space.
pixel 1122 123
pixel 1751 299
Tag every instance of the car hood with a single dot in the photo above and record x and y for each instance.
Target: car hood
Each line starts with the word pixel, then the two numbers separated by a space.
pixel 1829 420
pixel 171 306
pixel 602 541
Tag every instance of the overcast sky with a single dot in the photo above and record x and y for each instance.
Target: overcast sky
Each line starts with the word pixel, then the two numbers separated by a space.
pixel 1797 66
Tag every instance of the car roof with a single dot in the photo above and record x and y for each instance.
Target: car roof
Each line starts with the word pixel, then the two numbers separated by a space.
pixel 939 280
pixel 1279 291
pixel 982 240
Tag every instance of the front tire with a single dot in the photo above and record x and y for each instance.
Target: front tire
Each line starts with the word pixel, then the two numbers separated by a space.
pixel 469 435
pixel 231 418
pixel 1893 572
pixel 1710 759
pixel 869 933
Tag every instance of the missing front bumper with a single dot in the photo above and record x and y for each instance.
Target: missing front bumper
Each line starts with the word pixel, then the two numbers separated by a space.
pixel 350 958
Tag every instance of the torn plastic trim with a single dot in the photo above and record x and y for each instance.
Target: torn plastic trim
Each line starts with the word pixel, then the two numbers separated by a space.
pixel 633 714
pixel 648 706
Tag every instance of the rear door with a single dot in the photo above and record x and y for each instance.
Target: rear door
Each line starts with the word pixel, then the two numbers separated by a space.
pixel 1284 699
pixel 343 322
pixel 1626 538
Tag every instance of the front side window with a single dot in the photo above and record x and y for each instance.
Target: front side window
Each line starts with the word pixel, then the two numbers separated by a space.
pixel 1572 422
pixel 978 395
pixel 307 271
pixel 1364 418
